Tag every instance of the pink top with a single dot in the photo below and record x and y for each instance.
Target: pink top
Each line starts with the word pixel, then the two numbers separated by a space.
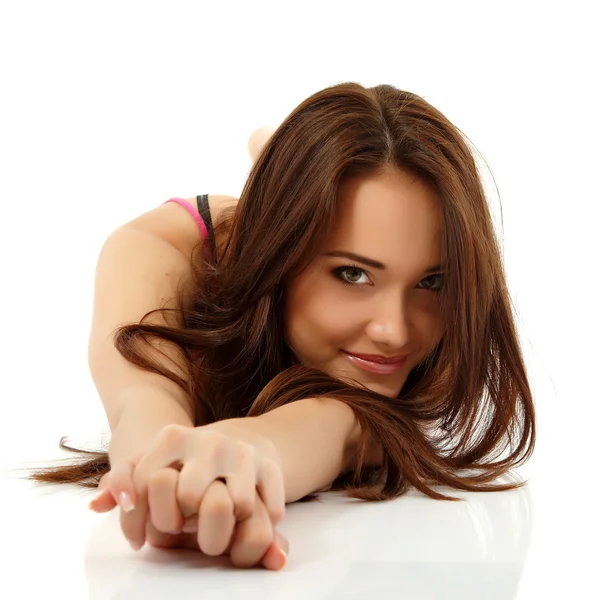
pixel 194 212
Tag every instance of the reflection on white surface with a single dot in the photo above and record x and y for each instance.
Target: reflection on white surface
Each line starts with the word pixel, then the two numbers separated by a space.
pixel 96 133
pixel 412 547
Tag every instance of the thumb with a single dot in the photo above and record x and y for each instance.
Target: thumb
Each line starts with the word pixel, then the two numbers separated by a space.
pixel 103 481
pixel 103 502
pixel 282 542
pixel 112 484
pixel 273 559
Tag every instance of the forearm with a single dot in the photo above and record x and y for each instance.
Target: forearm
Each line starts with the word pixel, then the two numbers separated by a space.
pixel 316 440
pixel 136 273
pixel 146 411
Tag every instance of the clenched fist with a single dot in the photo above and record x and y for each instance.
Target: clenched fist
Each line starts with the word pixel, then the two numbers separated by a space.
pixel 218 488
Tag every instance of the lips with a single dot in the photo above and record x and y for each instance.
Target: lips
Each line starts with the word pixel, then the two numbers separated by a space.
pixel 370 366
pixel 378 359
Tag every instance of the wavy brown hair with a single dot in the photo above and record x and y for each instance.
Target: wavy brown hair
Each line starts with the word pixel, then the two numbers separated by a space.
pixel 465 416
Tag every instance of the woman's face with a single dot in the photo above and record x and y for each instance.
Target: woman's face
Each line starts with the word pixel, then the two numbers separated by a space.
pixel 342 305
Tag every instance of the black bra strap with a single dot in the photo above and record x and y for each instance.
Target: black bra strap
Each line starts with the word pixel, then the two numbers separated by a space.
pixel 204 211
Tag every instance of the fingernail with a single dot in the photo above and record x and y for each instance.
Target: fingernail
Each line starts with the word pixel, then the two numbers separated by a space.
pixel 284 555
pixel 125 502
pixel 134 545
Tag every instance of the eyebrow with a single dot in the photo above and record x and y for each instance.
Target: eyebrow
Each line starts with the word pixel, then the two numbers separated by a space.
pixel 374 263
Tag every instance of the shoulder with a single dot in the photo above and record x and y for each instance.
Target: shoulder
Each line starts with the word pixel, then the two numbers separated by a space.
pixel 217 203
pixel 173 224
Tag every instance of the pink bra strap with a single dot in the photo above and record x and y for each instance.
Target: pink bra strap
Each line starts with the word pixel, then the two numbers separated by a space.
pixel 194 214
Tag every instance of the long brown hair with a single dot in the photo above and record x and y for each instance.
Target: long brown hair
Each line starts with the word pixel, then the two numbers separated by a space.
pixel 467 407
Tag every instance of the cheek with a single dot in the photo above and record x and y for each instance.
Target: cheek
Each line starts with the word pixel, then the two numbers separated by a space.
pixel 434 329
pixel 314 321
pixel 427 320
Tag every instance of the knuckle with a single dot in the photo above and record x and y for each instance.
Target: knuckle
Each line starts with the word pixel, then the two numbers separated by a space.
pixel 221 506
pixel 244 456
pixel 277 513
pixel 247 449
pixel 120 479
pixel 158 478
pixel 255 534
pixel 172 433
pixel 210 443
pixel 224 446
pixel 272 470
pixel 187 499
pixel 271 467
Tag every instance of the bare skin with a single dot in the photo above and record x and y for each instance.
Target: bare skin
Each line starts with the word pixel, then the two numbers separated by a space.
pixel 338 304
pixel 394 219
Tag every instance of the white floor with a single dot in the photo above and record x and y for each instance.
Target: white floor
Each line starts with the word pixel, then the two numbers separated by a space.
pixel 110 111
pixel 537 542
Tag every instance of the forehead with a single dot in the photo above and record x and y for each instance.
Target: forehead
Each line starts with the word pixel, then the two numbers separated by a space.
pixel 392 216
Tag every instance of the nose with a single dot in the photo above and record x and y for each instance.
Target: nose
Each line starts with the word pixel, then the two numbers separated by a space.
pixel 391 324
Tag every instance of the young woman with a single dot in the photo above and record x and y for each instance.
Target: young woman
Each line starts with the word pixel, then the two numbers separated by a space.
pixel 344 325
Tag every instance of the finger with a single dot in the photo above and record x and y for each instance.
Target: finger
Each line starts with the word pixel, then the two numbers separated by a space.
pixel 104 480
pixel 133 520
pixel 121 485
pixel 216 521
pixel 118 482
pixel 241 485
pixel 253 538
pixel 275 557
pixel 166 448
pixel 194 481
pixel 133 523
pixel 271 487
pixel 112 486
pixel 103 502
pixel 158 539
pixel 282 542
pixel 165 513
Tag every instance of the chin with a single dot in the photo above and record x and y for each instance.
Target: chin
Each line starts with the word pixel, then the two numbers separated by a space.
pixel 386 390
pixel 389 389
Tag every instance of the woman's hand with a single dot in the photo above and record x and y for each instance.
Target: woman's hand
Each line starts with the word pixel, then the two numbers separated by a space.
pixel 203 479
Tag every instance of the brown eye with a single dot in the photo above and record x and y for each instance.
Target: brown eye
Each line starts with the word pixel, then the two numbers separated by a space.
pixel 349 275
pixel 354 275
pixel 440 279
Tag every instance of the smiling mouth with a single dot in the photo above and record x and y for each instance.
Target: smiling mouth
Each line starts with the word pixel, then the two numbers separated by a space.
pixel 375 367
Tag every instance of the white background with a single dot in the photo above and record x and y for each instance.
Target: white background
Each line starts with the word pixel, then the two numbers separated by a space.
pixel 108 109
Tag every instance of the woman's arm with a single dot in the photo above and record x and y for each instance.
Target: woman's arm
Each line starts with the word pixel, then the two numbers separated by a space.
pixel 316 438
pixel 139 267
pixel 136 273
pixel 146 410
